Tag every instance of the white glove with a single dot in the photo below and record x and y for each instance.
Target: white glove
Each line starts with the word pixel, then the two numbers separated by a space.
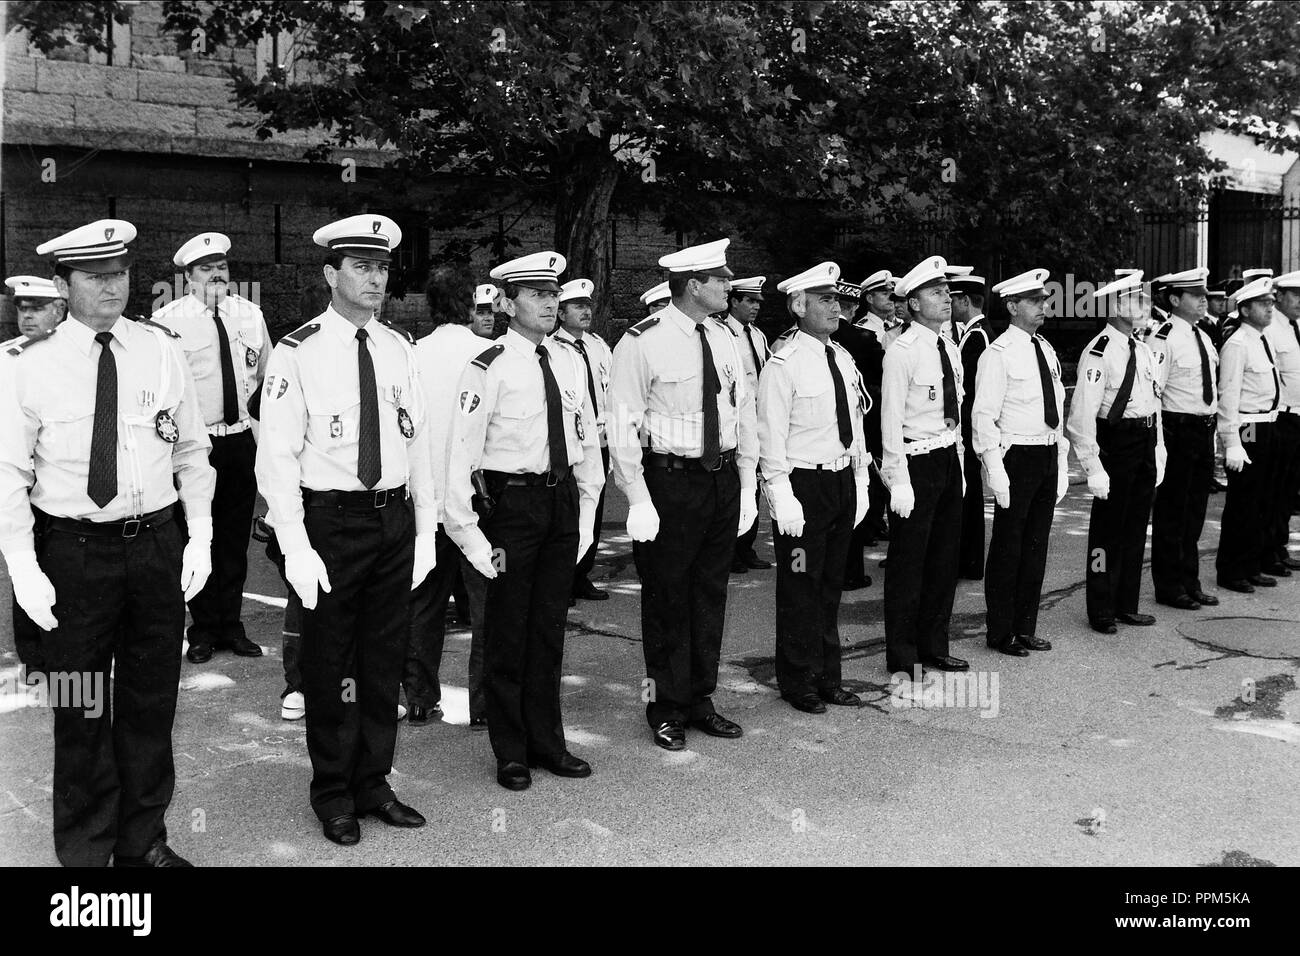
pixel 482 562
pixel 426 558
pixel 748 509
pixel 196 561
pixel 1235 459
pixel 787 512
pixel 902 499
pixel 1099 485
pixel 643 521
pixel 999 483
pixel 306 572
pixel 586 526
pixel 1161 457
pixel 32 589
pixel 862 487
pixel 1062 481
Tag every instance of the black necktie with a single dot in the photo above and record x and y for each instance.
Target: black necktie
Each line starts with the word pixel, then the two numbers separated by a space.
pixel 841 401
pixel 753 350
pixel 1050 415
pixel 369 463
pixel 950 410
pixel 555 442
pixel 229 405
pixel 101 483
pixel 710 436
pixel 1207 390
pixel 591 382
pixel 1125 387
pixel 1295 327
pixel 1277 383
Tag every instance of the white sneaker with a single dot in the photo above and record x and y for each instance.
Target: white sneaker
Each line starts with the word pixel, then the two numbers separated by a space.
pixel 401 711
pixel 293 707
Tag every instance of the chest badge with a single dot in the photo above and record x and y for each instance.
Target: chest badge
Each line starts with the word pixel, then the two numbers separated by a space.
pixel 733 393
pixel 405 424
pixel 250 357
pixel 932 394
pixel 336 427
pixel 577 425
pixel 166 428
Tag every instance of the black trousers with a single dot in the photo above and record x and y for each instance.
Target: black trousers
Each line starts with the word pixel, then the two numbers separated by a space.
pixel 588 561
pixel 120 608
pixel 684 574
pixel 1246 542
pixel 1013 577
pixel 1178 514
pixel 533 531
pixel 745 542
pixel 1117 527
pixel 429 625
pixel 1287 481
pixel 921 576
pixel 215 611
pixel 970 563
pixel 27 635
pixel 809 577
pixel 291 630
pixel 353 646
pixel 476 598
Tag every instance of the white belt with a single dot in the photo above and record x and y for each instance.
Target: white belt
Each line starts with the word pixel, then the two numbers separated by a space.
pixel 1046 439
pixel 221 431
pixel 839 464
pixel 911 448
pixel 1261 417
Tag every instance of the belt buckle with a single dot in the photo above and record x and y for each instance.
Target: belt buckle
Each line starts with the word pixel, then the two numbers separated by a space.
pixel 717 465
pixel 130 527
pixel 552 479
pixel 381 498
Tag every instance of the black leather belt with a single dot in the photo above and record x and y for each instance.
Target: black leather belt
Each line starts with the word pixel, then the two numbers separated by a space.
pixel 126 528
pixel 1148 421
pixel 1207 420
pixel 678 463
pixel 353 499
pixel 528 479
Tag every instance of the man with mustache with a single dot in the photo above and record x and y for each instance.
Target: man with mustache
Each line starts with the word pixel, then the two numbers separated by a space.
pixel 227 346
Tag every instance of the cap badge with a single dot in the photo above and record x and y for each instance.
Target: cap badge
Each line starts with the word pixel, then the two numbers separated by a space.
pixel 552 262
pixel 374 226
pixel 108 233
pixel 207 240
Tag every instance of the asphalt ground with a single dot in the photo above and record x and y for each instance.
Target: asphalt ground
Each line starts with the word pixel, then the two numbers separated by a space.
pixel 1177 744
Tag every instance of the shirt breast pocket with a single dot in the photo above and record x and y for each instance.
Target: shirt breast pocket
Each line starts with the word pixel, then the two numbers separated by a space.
pixel 519 420
pixel 66 430
pixel 682 391
pixel 814 404
pixel 926 388
pixel 333 424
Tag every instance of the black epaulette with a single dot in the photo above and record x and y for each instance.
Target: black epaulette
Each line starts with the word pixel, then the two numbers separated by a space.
pixel 301 334
pixel 1099 347
pixel 157 325
pixel 1162 333
pixel 16 346
pixel 410 339
pixel 643 325
pixel 489 356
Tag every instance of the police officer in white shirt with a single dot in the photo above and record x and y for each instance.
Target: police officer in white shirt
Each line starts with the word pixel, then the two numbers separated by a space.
pixel 877 292
pixel 743 304
pixel 920 423
pixel 342 455
pixel 815 472
pixel 484 321
pixel 1188 367
pixel 691 489
pixel 1017 428
pixel 99 427
pixel 879 314
pixel 967 291
pixel 1114 429
pixel 524 474
pixel 597 360
pixel 1283 335
pixel 1250 393
pixel 39 309
pixel 227 346
pixel 655 298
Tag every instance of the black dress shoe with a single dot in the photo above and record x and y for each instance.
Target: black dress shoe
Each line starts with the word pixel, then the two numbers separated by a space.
pixel 715 725
pixel 1011 648
pixel 1278 570
pixel 841 697
pixel 342 829
pixel 513 775
pixel 1240 585
pixel 1292 563
pixel 397 814
pixel 158 854
pixel 855 584
pixel 808 703
pixel 1033 643
pixel 199 653
pixel 1136 619
pixel 739 567
pixel 1200 597
pixel 241 646
pixel 1183 602
pixel 754 562
pixel 945 664
pixel 589 592
pixel 1262 581
pixel 670 735
pixel 1104 627
pixel 419 714
pixel 562 765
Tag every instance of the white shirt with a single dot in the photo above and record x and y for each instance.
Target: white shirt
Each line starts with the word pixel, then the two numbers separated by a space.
pixel 911 397
pixel 1248 382
pixel 311 422
pixel 1100 375
pixel 440 359
pixel 872 323
pixel 1179 363
pixel 598 357
pixel 1009 394
pixel 1284 340
pixel 47 414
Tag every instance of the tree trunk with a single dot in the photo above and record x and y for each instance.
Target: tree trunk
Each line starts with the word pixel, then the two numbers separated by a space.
pixel 588 176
